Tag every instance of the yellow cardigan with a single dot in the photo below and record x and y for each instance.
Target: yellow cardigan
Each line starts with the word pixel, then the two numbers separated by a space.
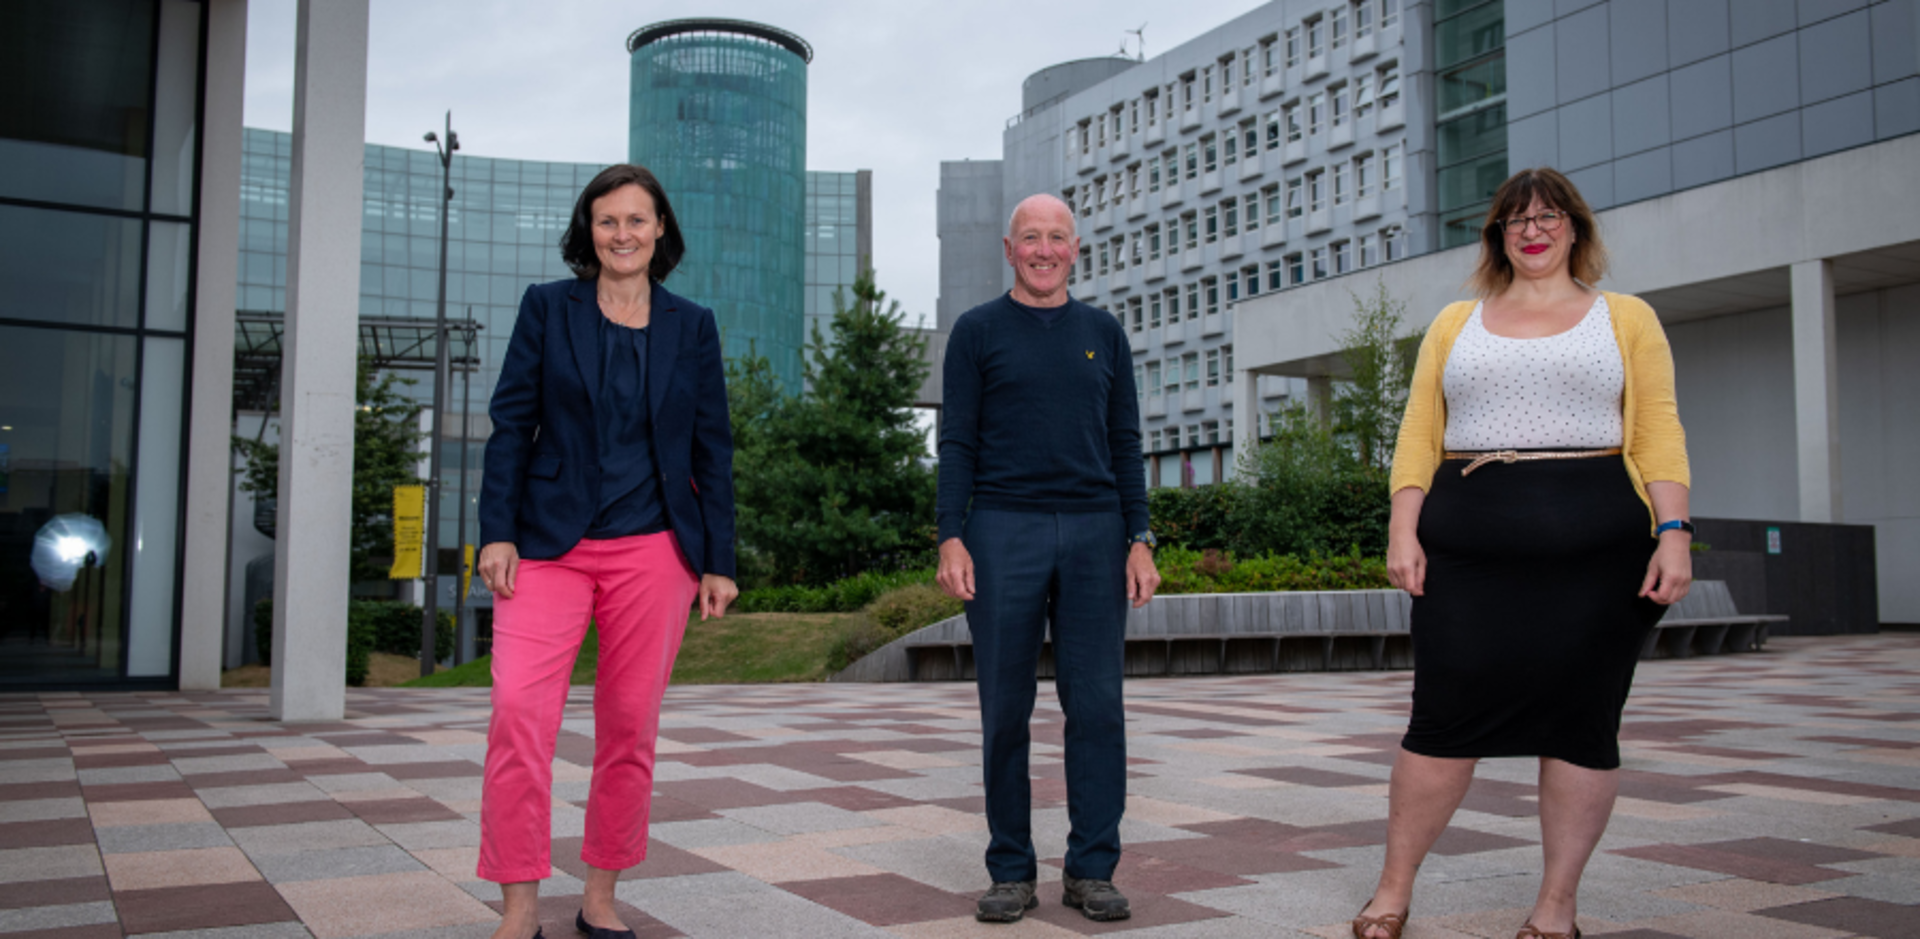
pixel 1653 444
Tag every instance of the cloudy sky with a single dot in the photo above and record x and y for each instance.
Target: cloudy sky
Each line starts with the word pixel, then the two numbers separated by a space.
pixel 896 86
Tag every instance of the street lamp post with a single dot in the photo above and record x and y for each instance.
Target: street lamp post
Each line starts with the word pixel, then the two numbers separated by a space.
pixel 430 616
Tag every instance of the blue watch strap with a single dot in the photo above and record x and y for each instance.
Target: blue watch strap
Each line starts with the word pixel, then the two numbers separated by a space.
pixel 1678 524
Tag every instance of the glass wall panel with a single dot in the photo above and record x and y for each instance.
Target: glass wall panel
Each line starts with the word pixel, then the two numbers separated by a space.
pixel 1474 33
pixel 155 545
pixel 66 442
pixel 176 74
pixel 69 267
pixel 1476 134
pixel 169 252
pixel 73 118
pixel 1472 182
pixel 1473 84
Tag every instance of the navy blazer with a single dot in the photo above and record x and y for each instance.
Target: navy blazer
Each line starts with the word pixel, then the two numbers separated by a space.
pixel 542 483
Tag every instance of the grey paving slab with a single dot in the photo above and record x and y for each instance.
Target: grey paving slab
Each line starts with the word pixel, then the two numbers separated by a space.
pixel 337 862
pixel 21 865
pixel 292 930
pixel 36 918
pixel 737 905
pixel 227 797
pixel 415 836
pixel 710 833
pixel 135 838
pixel 799 817
pixel 269 840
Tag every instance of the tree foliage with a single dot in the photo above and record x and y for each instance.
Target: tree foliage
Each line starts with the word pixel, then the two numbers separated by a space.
pixel 1367 406
pixel 831 482
pixel 1315 486
pixel 386 442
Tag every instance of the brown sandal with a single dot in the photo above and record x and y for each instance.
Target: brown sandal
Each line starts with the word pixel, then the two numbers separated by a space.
pixel 1393 923
pixel 1530 931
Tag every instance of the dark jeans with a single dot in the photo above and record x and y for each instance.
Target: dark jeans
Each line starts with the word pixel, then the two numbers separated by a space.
pixel 1069 570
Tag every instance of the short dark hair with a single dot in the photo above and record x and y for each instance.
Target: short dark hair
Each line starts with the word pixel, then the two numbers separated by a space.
pixel 1587 262
pixel 576 243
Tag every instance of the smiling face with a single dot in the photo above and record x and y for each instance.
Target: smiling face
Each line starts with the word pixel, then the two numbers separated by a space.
pixel 1533 250
pixel 1042 247
pixel 625 227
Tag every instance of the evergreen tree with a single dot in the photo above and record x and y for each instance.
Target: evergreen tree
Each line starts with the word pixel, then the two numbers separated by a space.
pixel 832 483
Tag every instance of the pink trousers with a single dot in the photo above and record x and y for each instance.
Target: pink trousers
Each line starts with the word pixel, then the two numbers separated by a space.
pixel 639 591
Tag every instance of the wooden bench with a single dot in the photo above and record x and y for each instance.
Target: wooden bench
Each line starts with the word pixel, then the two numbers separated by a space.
pixel 1705 622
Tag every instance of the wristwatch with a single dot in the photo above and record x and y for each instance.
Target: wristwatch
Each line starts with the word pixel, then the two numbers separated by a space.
pixel 1145 538
pixel 1678 524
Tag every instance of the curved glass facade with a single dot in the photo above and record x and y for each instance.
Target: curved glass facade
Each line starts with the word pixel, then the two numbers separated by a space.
pixel 721 118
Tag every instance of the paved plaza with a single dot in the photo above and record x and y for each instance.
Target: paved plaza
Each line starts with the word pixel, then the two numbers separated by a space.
pixel 1764 795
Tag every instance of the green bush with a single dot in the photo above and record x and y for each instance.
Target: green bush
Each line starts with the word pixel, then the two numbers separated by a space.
pixel 1197 518
pixel 890 616
pixel 372 626
pixel 841 596
pixel 1186 571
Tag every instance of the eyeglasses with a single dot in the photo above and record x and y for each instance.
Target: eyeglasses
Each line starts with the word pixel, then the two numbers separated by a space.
pixel 1548 222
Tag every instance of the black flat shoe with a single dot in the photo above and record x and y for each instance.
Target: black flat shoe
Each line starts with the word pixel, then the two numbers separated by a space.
pixel 595 932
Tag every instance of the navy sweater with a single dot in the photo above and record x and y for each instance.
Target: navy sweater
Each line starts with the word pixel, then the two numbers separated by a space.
pixel 1039 415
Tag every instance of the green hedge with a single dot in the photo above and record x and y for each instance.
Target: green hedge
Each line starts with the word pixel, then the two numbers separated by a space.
pixel 372 626
pixel 841 596
pixel 1183 570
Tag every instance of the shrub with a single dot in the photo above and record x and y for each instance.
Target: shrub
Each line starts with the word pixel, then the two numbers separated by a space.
pixel 1186 571
pixel 1197 518
pixel 841 596
pixel 890 616
pixel 372 626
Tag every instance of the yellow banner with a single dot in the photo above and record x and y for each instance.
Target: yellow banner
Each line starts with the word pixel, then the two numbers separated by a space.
pixel 466 569
pixel 409 532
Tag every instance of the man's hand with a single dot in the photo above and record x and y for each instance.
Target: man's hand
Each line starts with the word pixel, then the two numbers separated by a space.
pixel 956 570
pixel 1142 577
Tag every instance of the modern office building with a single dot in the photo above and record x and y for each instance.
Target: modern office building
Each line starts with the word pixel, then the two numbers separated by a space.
pixel 719 112
pixel 1753 166
pixel 1290 144
pixel 839 241
pixel 504 225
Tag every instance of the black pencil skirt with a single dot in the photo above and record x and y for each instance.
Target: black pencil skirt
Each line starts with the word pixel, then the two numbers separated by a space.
pixel 1526 639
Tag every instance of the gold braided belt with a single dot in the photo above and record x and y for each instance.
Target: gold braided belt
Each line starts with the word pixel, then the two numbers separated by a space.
pixel 1479 458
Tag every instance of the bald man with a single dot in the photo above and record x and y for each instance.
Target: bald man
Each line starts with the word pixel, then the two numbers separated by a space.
pixel 1043 526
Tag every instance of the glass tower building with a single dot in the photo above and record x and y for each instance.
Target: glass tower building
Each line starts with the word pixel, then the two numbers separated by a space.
pixel 718 111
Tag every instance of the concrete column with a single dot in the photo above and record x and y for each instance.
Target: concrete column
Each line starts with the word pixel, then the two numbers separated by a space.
pixel 1816 392
pixel 210 417
pixel 316 391
pixel 1246 415
pixel 1320 398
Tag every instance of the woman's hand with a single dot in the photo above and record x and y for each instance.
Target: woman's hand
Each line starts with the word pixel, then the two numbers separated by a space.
pixel 1670 573
pixel 1407 563
pixel 715 593
pixel 499 562
pixel 1406 560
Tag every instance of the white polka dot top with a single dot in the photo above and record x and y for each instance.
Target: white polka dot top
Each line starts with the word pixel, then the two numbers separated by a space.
pixel 1555 392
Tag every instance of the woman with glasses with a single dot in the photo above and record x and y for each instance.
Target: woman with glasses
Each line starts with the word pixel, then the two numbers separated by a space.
pixel 1540 522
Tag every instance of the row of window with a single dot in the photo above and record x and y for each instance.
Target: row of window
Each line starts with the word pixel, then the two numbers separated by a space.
pixel 1203 434
pixel 1293 120
pixel 1204 296
pixel 1312 191
pixel 1152 379
pixel 1355 19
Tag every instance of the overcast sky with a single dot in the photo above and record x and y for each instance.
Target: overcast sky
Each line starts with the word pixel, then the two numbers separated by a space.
pixel 896 86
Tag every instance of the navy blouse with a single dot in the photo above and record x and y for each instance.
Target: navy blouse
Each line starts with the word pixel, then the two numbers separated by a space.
pixel 629 480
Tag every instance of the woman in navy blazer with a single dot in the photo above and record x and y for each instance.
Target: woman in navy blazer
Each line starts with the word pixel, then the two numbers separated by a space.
pixel 608 497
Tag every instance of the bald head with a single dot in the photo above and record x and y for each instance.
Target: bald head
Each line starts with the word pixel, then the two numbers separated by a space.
pixel 1040 208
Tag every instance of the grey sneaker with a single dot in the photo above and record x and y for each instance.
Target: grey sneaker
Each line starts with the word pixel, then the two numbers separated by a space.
pixel 1097 900
pixel 1006 901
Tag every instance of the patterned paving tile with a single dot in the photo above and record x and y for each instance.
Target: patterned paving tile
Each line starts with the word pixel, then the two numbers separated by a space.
pixel 1763 796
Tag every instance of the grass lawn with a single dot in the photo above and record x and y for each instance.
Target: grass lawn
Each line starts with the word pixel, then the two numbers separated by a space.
pixel 384 670
pixel 738 648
